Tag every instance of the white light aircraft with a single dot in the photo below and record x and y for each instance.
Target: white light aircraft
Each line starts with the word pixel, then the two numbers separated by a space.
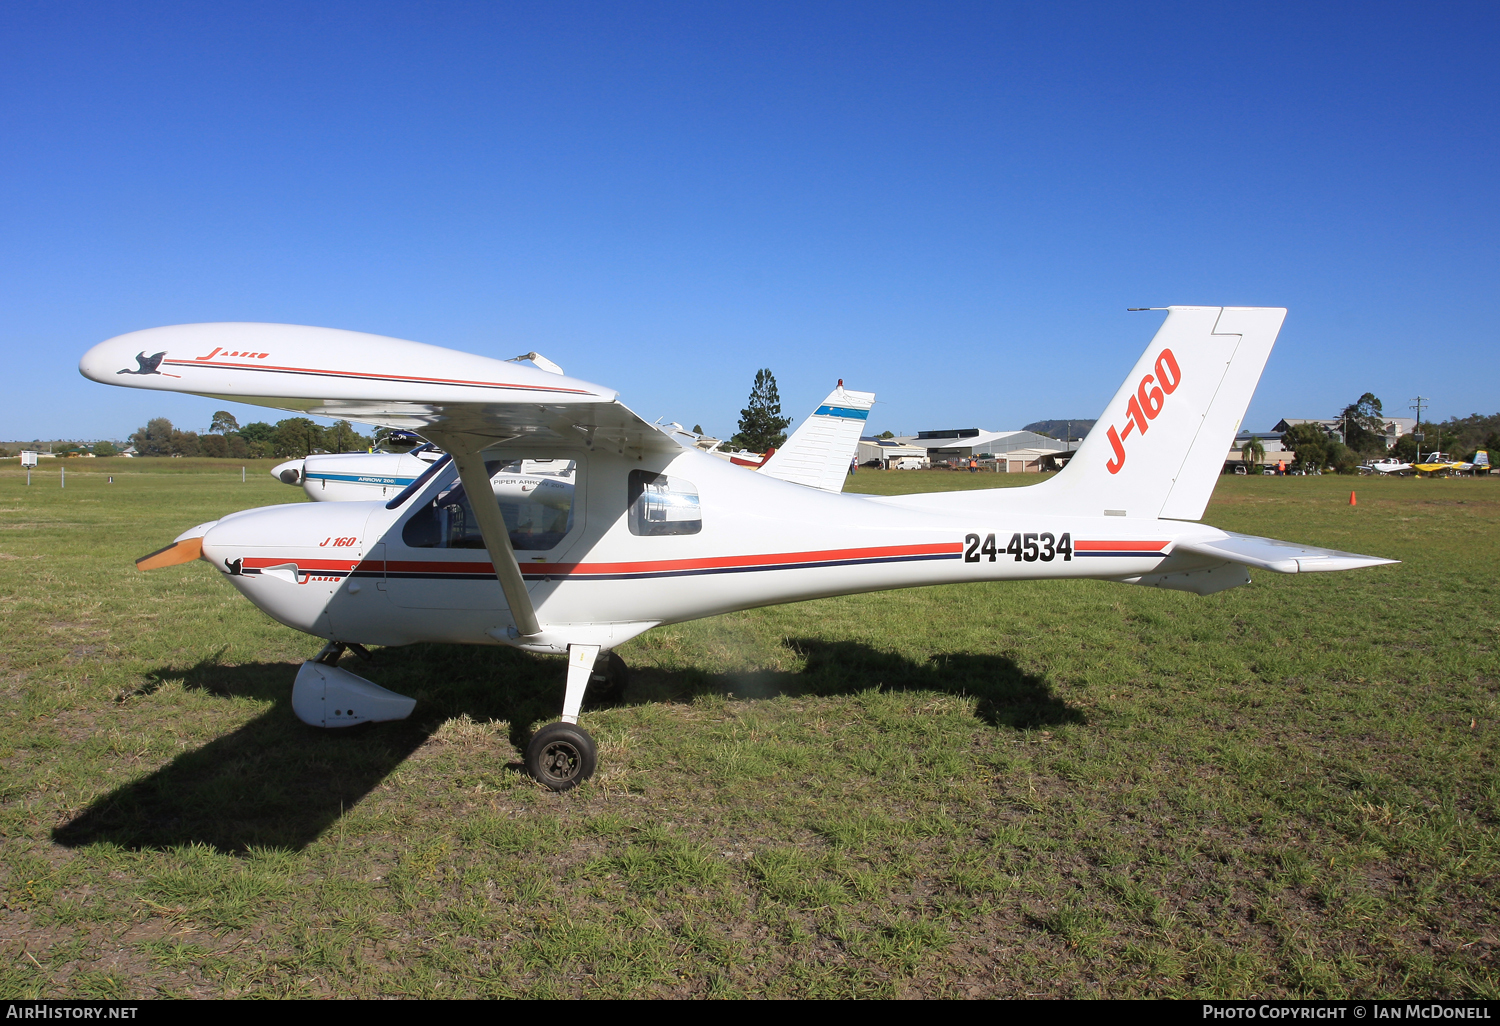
pixel 656 532
pixel 1389 465
pixel 342 477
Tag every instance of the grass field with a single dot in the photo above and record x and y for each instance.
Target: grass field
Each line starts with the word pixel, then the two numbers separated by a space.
pixel 1054 789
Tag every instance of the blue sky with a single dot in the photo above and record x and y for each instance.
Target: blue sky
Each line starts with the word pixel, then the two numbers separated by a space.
pixel 948 204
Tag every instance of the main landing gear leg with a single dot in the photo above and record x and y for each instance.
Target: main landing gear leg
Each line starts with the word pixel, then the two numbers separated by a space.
pixel 562 755
pixel 581 659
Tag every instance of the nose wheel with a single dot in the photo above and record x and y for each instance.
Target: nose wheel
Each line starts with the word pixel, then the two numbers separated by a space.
pixel 610 678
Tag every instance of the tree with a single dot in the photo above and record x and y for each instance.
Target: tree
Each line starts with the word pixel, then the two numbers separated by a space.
pixel 160 438
pixel 886 434
pixel 259 440
pixel 343 438
pixel 258 431
pixel 1474 431
pixel 762 426
pixel 697 429
pixel 223 423
pixel 1253 453
pixel 104 449
pixel 297 436
pixel 1310 444
pixel 1364 422
pixel 1341 458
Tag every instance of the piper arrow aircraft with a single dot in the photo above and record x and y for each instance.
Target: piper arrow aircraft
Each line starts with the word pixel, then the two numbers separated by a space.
pixel 361 476
pixel 656 532
pixel 340 477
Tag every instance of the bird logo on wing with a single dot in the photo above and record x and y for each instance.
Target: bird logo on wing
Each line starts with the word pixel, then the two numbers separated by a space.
pixel 148 364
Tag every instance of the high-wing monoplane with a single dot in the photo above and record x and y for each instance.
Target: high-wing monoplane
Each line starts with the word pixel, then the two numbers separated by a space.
pixel 657 532
pixel 1388 465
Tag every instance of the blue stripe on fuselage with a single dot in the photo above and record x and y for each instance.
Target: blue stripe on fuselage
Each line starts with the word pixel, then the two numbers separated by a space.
pixel 369 479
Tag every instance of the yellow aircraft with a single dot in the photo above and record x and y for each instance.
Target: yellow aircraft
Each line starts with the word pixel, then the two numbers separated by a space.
pixel 1440 463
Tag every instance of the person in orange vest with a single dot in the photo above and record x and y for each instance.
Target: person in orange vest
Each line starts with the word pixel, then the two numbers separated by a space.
pixel 973 465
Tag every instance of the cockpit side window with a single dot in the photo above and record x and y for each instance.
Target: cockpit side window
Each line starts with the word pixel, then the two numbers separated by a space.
pixel 537 505
pixel 660 505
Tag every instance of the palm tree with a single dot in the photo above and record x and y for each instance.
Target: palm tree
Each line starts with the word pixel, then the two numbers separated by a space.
pixel 1253 452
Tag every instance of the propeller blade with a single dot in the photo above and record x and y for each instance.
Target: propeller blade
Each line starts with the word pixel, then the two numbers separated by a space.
pixel 184 551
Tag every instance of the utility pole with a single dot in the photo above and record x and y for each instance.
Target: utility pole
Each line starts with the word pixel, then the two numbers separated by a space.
pixel 1416 404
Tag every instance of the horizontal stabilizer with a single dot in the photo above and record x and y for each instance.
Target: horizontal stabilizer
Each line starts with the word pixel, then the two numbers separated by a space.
pixel 1279 556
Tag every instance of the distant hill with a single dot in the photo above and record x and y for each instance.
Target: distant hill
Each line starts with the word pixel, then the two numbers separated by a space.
pixel 1060 428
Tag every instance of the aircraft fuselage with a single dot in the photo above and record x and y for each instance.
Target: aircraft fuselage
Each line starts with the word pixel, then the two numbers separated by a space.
pixel 699 537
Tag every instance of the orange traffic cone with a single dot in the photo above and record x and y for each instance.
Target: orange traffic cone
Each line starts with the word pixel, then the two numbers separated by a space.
pixel 1352 500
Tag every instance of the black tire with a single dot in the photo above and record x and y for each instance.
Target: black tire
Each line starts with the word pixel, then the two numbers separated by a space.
pixel 561 756
pixel 611 678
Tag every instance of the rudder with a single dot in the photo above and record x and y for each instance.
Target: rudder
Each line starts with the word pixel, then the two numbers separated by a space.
pixel 1159 447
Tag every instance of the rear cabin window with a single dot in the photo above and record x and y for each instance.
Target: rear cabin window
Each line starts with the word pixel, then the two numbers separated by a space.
pixel 661 505
pixel 535 498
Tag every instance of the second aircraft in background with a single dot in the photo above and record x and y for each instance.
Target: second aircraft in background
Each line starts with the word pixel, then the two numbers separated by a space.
pixel 817 454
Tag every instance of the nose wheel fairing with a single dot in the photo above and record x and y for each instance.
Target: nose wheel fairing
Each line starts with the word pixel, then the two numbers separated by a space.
pixel 327 696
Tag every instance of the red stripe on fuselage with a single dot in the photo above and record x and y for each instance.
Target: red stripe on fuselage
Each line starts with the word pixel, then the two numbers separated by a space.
pixel 1119 546
pixel 765 559
pixel 771 559
pixel 305 565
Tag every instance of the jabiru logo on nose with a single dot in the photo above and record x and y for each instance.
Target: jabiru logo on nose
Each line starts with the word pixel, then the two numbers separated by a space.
pixel 220 351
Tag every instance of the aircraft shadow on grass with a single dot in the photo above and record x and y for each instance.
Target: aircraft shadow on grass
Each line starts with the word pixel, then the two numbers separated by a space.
pixel 276 782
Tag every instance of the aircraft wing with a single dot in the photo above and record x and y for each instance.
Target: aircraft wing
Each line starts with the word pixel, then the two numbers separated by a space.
pixel 378 380
pixel 1279 556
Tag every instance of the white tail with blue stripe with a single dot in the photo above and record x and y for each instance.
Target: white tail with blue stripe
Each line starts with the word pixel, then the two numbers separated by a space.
pixel 819 452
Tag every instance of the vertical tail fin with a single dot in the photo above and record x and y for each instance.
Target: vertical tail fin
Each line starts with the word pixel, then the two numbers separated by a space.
pixel 819 451
pixel 1158 448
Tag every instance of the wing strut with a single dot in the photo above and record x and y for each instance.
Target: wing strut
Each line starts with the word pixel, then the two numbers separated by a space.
pixel 476 479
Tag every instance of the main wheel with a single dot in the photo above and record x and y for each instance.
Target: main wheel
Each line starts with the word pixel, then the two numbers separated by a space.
pixel 611 677
pixel 561 756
